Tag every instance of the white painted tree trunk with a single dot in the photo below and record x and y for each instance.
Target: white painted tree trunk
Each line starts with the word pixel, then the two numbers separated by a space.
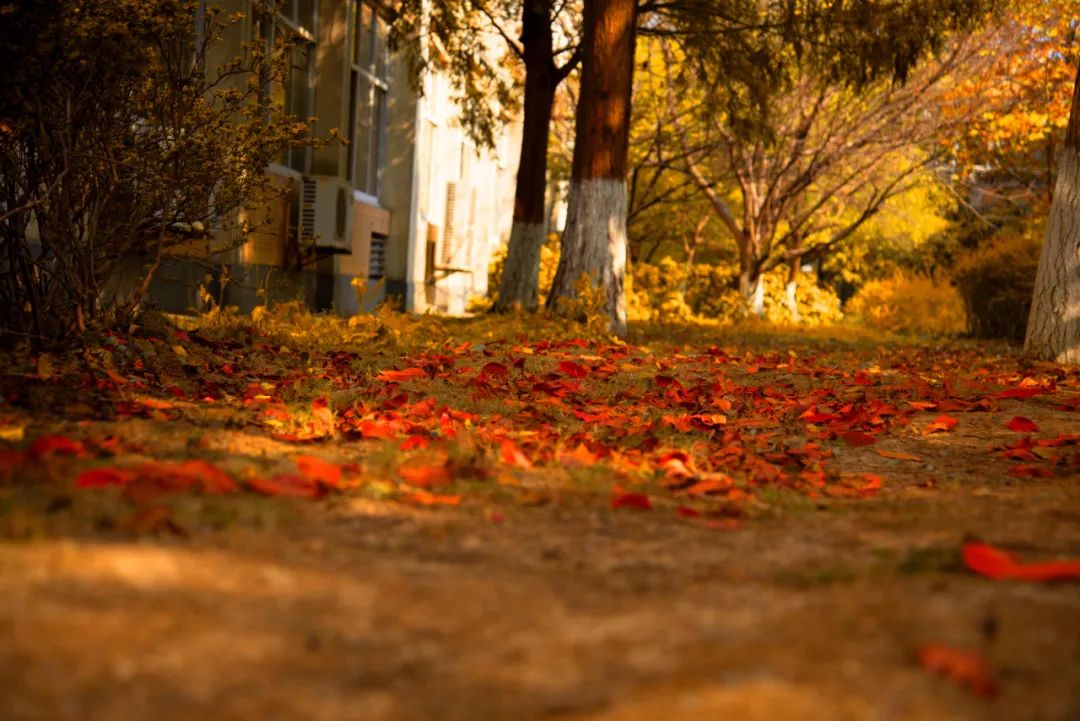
pixel 1053 329
pixel 756 301
pixel 521 270
pixel 594 242
pixel 792 294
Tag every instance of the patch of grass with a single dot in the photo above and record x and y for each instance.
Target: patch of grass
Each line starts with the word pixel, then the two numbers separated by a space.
pixel 821 576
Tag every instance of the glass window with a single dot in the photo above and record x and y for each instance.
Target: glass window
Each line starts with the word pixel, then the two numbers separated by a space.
pixel 294 94
pixel 368 90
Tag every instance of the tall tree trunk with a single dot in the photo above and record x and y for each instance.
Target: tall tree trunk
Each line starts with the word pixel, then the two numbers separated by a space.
pixel 594 241
pixel 751 285
pixel 521 271
pixel 1053 329
pixel 791 291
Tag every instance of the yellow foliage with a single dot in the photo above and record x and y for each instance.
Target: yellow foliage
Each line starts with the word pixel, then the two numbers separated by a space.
pixel 669 292
pixel 997 280
pixel 910 304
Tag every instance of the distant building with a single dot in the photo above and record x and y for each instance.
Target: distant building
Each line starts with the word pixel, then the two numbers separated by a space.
pixel 408 209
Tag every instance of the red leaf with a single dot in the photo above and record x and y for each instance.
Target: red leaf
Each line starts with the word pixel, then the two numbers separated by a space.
pixel 285 485
pixel 424 498
pixel 858 438
pixel 1023 393
pixel 941 423
pixel 1019 424
pixel 426 476
pixel 394 376
pixel 963 667
pixel 494 369
pixel 103 477
pixel 512 455
pixel 1020 470
pixel 632 500
pixel 984 559
pixel 319 471
pixel 572 369
pixel 56 445
pixel 897 455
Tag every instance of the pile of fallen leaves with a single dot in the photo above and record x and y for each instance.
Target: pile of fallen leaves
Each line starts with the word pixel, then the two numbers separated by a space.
pixel 433 413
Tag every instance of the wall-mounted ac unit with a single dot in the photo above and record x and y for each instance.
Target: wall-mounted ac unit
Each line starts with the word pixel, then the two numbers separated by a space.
pixel 326 213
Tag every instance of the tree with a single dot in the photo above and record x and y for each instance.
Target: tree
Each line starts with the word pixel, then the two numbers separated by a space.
pixel 825 162
pixel 487 93
pixel 1053 330
pixel 849 41
pixel 594 241
pixel 121 135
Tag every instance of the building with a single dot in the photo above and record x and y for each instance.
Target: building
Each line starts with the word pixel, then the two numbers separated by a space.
pixel 408 209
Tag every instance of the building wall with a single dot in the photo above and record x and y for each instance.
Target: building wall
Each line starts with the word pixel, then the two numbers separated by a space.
pixel 431 260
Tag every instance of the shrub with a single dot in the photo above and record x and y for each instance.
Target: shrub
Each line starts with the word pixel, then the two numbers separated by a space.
pixel 910 304
pixel 667 291
pixel 996 283
pixel 121 134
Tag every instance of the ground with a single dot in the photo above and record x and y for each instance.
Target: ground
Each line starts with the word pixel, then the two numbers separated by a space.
pixel 417 519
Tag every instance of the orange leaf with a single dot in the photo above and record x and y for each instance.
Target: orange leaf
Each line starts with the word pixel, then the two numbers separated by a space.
pixel 426 476
pixel 984 559
pixel 512 455
pixel 1019 424
pixel 430 499
pixel 941 423
pixel 638 501
pixel 285 485
pixel 317 470
pixel 961 666
pixel 394 376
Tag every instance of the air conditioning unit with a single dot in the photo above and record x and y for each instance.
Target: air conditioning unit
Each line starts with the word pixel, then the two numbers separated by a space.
pixel 326 213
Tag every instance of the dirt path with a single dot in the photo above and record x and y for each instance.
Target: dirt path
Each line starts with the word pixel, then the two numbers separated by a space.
pixel 537 599
pixel 360 611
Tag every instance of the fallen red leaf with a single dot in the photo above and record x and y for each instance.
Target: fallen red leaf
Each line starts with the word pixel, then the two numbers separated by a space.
pixel 984 559
pixel 102 477
pixel 961 666
pixel 858 438
pixel 56 446
pixel 318 470
pixel 285 485
pixel 394 376
pixel 426 476
pixel 638 501
pixel 512 455
pixel 941 423
pixel 572 369
pixel 1019 424
pixel 424 498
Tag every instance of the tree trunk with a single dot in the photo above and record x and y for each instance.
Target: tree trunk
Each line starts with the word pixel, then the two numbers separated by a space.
pixel 521 271
pixel 792 292
pixel 1053 329
pixel 594 241
pixel 751 285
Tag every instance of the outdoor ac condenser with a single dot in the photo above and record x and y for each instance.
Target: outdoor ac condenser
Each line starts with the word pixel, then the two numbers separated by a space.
pixel 326 213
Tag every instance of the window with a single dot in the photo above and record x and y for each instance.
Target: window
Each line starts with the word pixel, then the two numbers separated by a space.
pixel 368 85
pixel 293 23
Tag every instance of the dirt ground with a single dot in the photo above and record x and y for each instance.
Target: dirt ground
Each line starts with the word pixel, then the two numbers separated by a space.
pixel 363 607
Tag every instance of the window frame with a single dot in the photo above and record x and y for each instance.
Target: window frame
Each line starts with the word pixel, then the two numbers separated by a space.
pixel 367 181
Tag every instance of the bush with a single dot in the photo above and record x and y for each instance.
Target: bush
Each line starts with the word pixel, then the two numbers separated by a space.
pixel 996 283
pixel 667 291
pixel 910 304
pixel 119 137
pixel 549 263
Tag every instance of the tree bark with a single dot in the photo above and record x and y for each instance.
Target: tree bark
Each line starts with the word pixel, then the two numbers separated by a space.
pixel 594 242
pixel 521 271
pixel 792 292
pixel 1053 329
